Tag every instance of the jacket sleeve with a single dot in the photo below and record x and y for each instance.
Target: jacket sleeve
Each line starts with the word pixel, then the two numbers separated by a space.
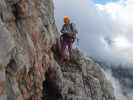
pixel 74 28
pixel 63 30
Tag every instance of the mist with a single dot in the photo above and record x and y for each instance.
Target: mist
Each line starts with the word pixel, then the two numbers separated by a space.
pixel 121 93
pixel 104 32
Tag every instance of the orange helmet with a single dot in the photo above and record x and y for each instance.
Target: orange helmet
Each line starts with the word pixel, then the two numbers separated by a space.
pixel 66 18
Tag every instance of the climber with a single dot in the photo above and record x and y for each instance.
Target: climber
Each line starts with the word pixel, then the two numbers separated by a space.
pixel 67 38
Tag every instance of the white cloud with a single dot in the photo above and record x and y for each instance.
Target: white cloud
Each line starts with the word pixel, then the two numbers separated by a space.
pixel 121 15
pixel 111 8
pixel 121 10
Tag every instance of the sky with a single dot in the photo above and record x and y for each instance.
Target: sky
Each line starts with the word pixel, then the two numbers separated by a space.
pixel 105 27
pixel 103 1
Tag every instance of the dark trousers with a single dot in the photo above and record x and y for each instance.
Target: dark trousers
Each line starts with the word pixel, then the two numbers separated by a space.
pixel 66 43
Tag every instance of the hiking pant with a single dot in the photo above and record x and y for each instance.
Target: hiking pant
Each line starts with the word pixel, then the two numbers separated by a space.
pixel 66 42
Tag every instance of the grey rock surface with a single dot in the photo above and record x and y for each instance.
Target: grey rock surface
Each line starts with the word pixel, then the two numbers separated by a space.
pixel 85 80
pixel 29 69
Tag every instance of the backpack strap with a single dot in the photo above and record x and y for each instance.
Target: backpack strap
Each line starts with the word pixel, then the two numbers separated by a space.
pixel 71 25
pixel 72 28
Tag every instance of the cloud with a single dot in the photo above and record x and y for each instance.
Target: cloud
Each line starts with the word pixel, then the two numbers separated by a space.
pixel 98 24
pixel 121 91
pixel 117 86
pixel 120 14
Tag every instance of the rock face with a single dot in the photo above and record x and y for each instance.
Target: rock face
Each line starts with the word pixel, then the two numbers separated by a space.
pixel 82 79
pixel 29 68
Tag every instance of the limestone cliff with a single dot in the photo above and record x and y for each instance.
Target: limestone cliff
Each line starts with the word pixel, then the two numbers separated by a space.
pixel 29 68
